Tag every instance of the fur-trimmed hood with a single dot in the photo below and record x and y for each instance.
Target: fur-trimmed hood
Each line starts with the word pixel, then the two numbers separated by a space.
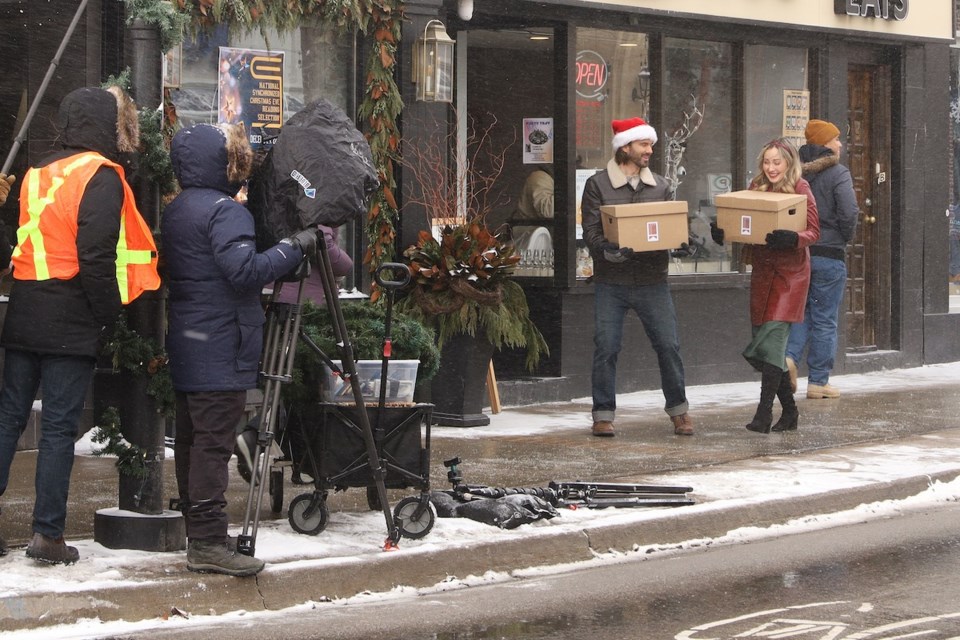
pixel 99 120
pixel 816 159
pixel 211 156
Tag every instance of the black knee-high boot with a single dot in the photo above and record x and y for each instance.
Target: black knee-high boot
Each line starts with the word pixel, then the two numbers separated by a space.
pixel 791 415
pixel 769 383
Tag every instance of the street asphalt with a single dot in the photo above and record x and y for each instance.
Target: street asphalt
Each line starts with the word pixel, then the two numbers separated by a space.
pixel 738 478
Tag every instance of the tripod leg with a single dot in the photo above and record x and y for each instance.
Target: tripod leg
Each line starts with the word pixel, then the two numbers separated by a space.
pixel 283 327
pixel 350 370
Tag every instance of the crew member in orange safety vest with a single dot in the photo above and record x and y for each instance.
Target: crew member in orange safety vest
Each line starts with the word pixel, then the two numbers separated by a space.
pixel 82 252
pixel 47 237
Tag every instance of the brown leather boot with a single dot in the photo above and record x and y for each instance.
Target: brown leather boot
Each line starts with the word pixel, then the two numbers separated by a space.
pixel 682 424
pixel 603 429
pixel 51 550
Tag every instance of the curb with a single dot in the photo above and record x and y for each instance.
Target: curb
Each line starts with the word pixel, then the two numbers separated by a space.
pixel 291 583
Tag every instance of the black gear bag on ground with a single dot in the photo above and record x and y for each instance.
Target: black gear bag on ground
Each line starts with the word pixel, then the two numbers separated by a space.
pixel 319 171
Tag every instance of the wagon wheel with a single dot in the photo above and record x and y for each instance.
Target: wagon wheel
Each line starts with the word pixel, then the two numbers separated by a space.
pixel 411 524
pixel 276 490
pixel 309 513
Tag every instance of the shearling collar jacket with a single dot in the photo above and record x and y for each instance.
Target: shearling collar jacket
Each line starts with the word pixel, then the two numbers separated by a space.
pixel 611 186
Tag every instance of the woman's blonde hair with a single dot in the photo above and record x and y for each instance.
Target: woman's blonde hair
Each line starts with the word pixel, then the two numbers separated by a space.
pixel 791 175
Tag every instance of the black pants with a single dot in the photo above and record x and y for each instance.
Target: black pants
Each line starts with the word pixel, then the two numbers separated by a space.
pixel 206 430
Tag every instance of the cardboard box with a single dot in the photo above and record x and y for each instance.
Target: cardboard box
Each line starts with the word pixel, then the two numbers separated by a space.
pixel 748 216
pixel 646 226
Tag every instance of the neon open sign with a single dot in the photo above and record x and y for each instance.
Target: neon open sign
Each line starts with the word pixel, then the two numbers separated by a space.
pixel 591 75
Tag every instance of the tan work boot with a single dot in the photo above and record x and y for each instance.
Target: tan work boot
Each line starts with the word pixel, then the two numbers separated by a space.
pixel 682 424
pixel 603 429
pixel 51 550
pixel 818 392
pixel 792 370
pixel 206 556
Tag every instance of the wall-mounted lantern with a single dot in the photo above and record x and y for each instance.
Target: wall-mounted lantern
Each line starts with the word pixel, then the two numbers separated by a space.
pixel 641 92
pixel 433 64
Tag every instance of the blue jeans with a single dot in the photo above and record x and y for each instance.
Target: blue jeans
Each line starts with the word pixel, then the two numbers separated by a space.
pixel 64 380
pixel 818 331
pixel 654 306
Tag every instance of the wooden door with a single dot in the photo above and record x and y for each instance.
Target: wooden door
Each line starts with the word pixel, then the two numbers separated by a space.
pixel 867 149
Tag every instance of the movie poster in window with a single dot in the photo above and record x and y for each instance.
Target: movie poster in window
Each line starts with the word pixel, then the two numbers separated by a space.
pixel 537 140
pixel 796 113
pixel 250 91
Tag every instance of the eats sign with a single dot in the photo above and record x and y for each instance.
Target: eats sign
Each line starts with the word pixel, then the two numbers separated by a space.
pixel 886 9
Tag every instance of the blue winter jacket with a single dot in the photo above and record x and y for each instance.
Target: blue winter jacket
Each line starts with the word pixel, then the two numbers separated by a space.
pixel 213 272
pixel 837 206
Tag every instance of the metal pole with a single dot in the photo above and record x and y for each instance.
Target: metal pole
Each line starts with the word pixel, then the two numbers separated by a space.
pixel 43 89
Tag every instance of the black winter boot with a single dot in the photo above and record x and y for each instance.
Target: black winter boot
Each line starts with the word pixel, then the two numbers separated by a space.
pixel 769 383
pixel 791 415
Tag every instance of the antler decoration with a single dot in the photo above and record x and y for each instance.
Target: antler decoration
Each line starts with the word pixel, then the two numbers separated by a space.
pixel 677 144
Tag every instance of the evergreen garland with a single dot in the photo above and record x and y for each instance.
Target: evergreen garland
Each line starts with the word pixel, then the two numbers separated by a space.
pixel 129 351
pixel 170 22
pixel 131 459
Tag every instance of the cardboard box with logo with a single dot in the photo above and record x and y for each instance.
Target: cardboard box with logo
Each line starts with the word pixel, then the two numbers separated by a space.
pixel 646 226
pixel 748 216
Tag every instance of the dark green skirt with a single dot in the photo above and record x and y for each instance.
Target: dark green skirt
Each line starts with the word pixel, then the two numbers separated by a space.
pixel 769 345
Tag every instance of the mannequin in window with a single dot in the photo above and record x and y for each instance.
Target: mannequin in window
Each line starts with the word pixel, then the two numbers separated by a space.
pixel 536 198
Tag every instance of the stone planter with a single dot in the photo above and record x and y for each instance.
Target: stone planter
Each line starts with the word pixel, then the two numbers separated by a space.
pixel 459 389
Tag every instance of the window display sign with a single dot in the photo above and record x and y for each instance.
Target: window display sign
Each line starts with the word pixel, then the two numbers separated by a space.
pixel 537 140
pixel 796 113
pixel 250 91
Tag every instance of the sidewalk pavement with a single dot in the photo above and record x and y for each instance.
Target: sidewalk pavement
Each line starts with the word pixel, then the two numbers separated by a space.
pixel 892 435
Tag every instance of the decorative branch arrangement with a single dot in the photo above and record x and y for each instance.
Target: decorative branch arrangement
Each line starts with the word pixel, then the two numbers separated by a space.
pixel 461 279
pixel 677 145
pixel 456 183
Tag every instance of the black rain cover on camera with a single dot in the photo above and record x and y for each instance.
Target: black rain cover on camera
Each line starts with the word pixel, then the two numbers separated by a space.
pixel 319 171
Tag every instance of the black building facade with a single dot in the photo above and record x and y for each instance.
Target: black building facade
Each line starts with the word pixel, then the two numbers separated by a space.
pixel 717 80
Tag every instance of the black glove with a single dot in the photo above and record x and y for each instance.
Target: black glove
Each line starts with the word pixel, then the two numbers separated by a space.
pixel 782 239
pixel 612 252
pixel 716 233
pixel 305 240
pixel 685 251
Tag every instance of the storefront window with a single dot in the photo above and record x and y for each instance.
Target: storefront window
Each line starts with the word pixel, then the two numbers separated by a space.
pixel 776 97
pixel 612 82
pixel 296 68
pixel 697 141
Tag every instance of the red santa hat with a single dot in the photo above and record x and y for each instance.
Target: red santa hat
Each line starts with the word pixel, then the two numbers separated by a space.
pixel 626 131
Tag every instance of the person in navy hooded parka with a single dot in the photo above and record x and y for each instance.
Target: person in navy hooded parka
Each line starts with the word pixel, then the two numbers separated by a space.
pixel 215 325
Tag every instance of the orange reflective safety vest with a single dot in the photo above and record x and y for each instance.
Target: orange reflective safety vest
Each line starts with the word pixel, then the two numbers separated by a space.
pixel 47 237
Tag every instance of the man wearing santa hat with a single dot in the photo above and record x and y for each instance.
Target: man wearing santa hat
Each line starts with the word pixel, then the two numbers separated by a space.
pixel 625 280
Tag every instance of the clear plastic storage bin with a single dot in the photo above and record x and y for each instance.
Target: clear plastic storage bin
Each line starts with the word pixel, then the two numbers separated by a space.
pixel 401 380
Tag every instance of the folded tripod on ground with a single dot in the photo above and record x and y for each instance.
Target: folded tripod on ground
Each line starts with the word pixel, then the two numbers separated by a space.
pixel 591 495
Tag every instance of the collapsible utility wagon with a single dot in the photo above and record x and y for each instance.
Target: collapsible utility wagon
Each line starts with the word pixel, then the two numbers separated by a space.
pixel 337 459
